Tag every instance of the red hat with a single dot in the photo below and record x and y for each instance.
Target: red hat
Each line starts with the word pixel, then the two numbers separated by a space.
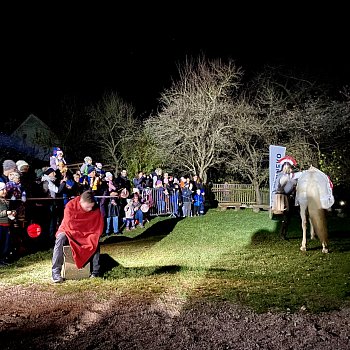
pixel 34 230
pixel 288 159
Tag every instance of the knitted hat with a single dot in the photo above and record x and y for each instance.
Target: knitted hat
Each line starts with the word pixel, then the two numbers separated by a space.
pixel 48 171
pixel 20 164
pixel 90 169
pixel 9 165
pixel 55 150
pixel 2 185
pixel 108 174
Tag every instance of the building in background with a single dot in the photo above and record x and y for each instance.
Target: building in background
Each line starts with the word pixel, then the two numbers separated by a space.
pixel 34 138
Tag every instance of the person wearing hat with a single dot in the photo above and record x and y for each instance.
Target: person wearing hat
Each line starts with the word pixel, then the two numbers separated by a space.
pixel 286 179
pixel 92 182
pixel 22 166
pixel 48 179
pixel 57 160
pixel 8 166
pixel 284 186
pixel 84 167
pixel 27 177
pixel 5 216
pixel 81 228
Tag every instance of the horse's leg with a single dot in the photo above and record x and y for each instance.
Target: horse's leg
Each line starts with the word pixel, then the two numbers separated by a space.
pixel 322 230
pixel 324 247
pixel 319 224
pixel 304 227
pixel 312 230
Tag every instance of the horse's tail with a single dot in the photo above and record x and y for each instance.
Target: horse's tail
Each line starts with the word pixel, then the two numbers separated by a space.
pixel 317 213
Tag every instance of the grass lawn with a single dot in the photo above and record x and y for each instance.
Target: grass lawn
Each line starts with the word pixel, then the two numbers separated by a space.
pixel 224 255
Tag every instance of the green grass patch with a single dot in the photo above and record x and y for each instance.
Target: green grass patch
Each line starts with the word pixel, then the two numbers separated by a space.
pixel 224 255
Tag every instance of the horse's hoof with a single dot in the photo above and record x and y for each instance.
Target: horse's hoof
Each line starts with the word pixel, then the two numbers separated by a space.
pixel 324 250
pixel 303 249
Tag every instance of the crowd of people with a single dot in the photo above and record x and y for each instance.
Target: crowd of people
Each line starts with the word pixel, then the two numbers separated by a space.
pixel 40 196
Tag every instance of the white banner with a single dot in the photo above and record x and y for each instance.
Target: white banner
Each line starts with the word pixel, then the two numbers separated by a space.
pixel 276 153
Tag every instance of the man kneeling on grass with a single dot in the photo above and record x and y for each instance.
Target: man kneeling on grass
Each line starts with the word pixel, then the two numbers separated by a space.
pixel 81 227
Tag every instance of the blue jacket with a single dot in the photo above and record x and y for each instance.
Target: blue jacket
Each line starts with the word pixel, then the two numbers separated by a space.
pixel 198 200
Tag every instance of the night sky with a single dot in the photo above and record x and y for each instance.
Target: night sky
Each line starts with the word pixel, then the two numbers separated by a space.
pixel 135 51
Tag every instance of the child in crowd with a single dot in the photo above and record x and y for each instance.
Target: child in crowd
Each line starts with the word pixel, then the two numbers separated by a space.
pixel 198 203
pixel 129 217
pixel 84 168
pixel 13 187
pixel 94 182
pixel 110 184
pixel 138 214
pixel 99 171
pixel 57 160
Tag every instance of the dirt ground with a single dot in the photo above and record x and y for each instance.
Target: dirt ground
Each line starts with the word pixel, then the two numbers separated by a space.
pixel 34 319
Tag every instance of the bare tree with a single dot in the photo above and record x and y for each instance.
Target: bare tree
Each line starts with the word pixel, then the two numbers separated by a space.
pixel 193 127
pixel 112 124
pixel 277 111
pixel 252 133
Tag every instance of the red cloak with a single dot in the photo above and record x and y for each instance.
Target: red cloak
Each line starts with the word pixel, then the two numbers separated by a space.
pixel 83 230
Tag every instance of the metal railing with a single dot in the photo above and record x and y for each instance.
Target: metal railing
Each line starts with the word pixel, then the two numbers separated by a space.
pixel 162 202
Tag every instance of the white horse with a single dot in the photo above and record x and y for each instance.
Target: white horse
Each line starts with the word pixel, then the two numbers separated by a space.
pixel 314 195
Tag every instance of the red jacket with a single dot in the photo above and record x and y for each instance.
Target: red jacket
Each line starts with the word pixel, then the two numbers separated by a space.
pixel 83 230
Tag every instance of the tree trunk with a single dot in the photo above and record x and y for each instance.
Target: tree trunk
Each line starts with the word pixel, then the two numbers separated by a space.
pixel 203 176
pixel 257 193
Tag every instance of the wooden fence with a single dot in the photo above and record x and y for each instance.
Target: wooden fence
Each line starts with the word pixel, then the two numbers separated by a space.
pixel 240 195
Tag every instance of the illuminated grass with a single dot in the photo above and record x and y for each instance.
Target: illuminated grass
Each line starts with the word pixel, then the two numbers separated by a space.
pixel 235 256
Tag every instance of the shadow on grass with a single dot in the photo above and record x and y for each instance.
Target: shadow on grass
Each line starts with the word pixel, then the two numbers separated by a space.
pixel 158 231
pixel 338 234
pixel 107 263
pixel 119 271
pixel 264 236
